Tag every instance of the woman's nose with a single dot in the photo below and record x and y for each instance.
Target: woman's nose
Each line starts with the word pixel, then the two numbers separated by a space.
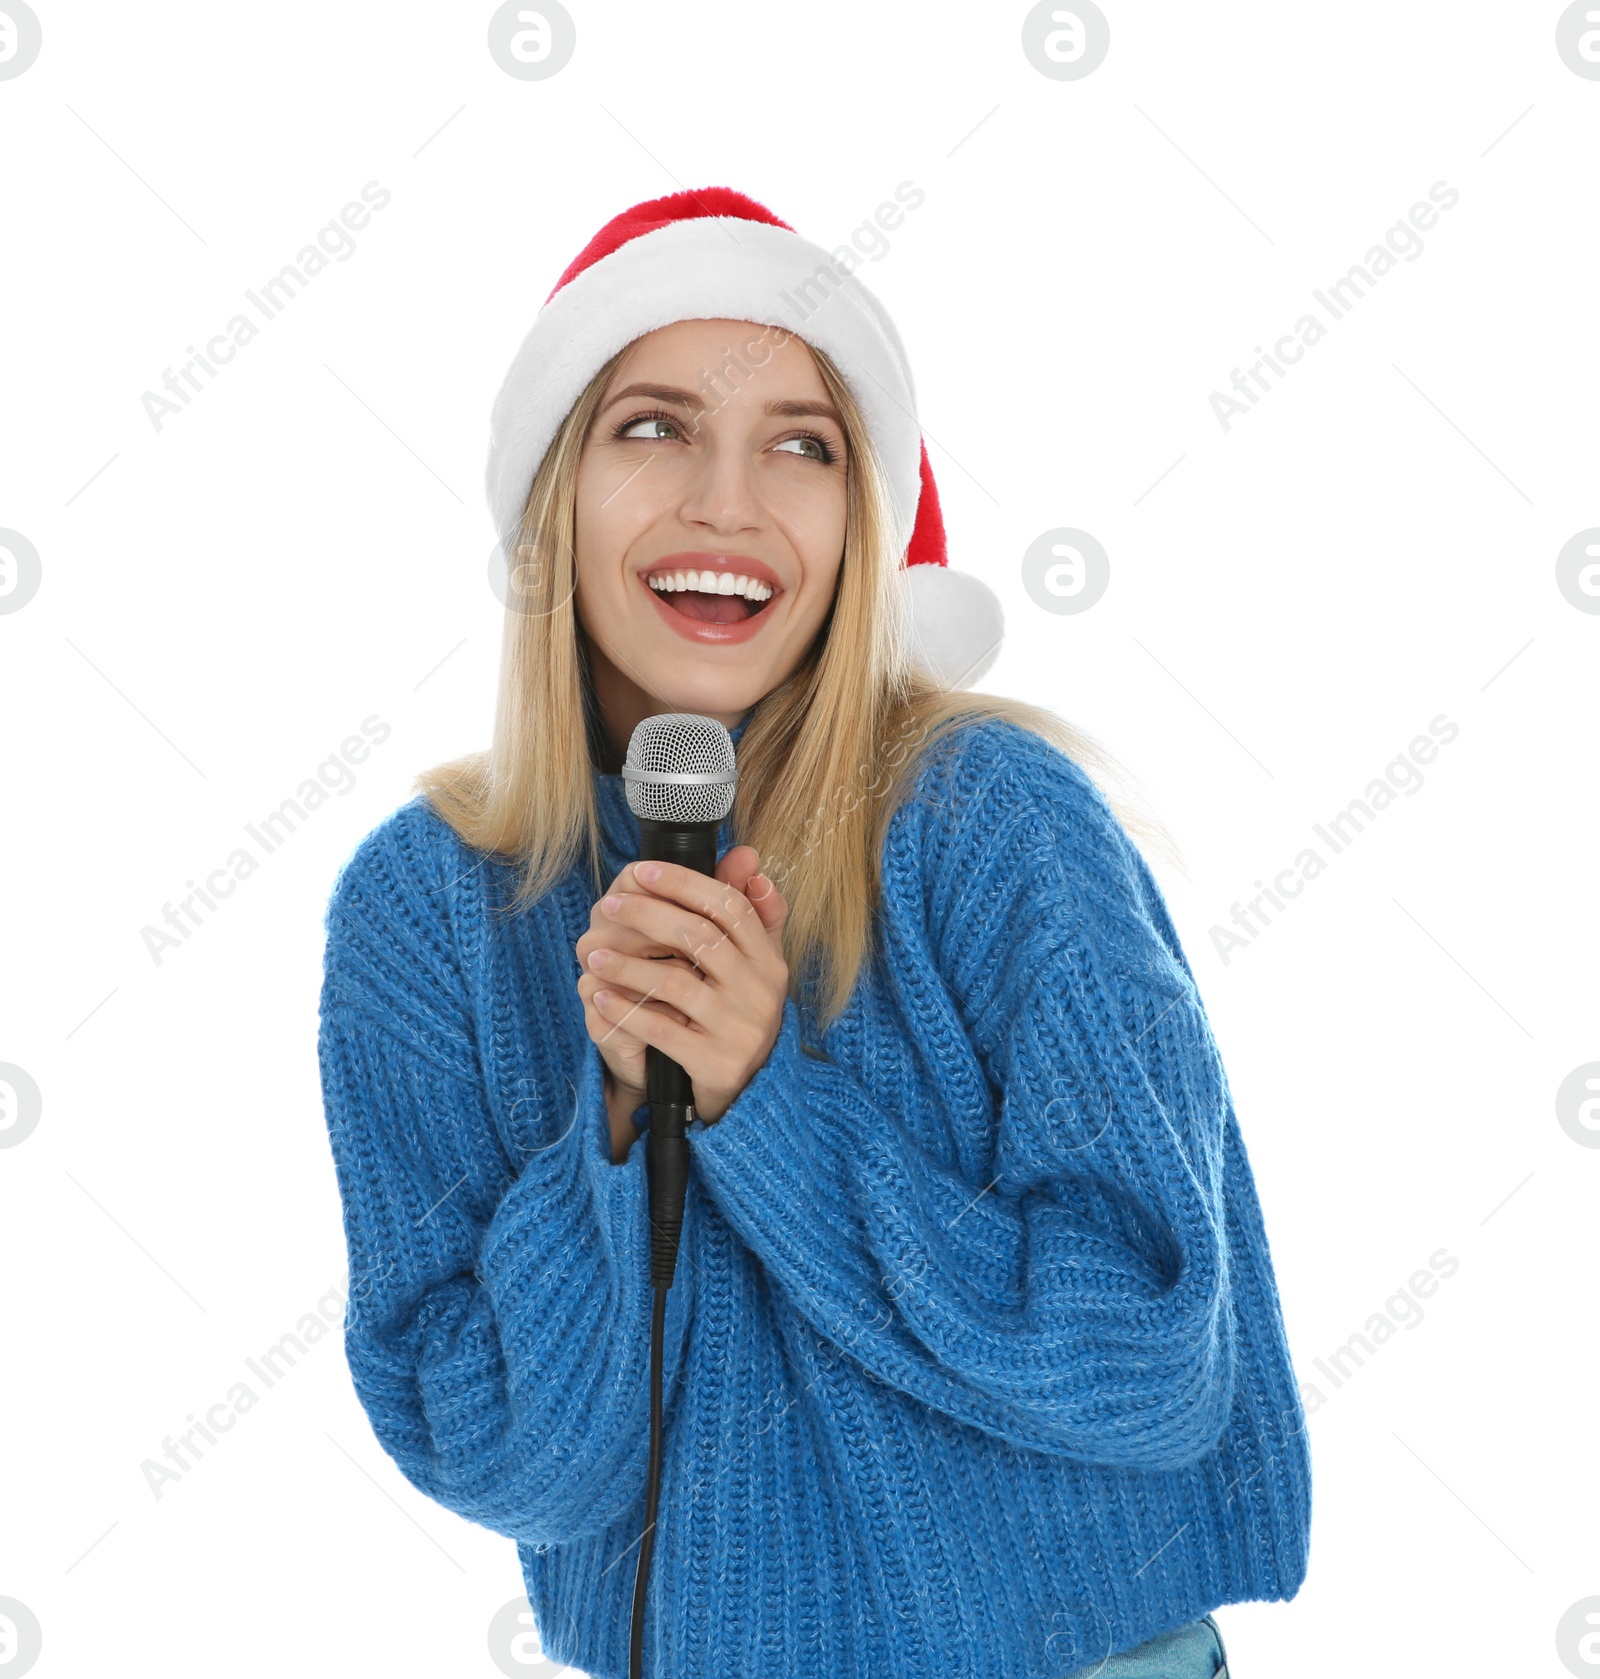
pixel 722 492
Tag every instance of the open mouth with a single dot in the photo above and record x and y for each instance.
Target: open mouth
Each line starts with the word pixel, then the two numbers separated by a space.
pixel 711 597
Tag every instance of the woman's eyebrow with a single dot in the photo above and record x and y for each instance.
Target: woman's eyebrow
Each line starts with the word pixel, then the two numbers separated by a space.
pixel 789 407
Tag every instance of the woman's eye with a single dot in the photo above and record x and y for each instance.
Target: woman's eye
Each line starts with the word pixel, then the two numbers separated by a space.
pixel 648 420
pixel 822 452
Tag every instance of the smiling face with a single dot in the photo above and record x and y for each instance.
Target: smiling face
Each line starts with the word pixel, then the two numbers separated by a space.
pixel 710 521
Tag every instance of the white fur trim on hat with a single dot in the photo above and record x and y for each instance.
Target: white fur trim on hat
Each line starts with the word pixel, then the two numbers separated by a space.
pixel 709 268
pixel 954 620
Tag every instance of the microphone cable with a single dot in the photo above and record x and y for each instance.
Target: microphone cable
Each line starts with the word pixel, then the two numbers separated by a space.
pixel 667 1168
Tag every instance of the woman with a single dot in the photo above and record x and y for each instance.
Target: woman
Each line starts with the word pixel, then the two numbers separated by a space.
pixel 974 1361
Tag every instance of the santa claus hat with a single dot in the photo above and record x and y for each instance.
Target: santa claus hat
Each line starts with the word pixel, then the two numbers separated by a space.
pixel 716 254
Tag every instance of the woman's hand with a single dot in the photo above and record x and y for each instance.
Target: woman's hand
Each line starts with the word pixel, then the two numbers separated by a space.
pixel 620 1050
pixel 692 965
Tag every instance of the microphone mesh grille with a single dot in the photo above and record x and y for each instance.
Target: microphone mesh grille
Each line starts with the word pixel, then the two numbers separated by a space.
pixel 694 757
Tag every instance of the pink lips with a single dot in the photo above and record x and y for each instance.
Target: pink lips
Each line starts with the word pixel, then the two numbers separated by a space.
pixel 692 629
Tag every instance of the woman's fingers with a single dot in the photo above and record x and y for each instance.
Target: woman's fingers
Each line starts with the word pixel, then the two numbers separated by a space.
pixel 603 930
pixel 711 899
pixel 738 868
pixel 737 865
pixel 709 946
pixel 646 1021
pixel 673 986
pixel 625 882
pixel 769 903
pixel 593 981
pixel 614 935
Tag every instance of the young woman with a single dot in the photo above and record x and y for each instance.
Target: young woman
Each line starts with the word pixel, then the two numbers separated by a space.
pixel 974 1361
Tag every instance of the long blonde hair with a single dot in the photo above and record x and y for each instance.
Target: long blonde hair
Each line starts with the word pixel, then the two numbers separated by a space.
pixel 826 755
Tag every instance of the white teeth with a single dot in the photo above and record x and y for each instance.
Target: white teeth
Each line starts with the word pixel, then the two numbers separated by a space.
pixel 710 583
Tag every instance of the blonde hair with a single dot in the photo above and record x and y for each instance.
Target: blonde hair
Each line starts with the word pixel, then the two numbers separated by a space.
pixel 837 743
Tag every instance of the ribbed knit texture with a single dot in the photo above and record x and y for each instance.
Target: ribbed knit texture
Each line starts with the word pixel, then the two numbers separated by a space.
pixel 974 1365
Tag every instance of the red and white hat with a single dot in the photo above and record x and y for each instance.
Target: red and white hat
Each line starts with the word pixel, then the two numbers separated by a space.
pixel 716 254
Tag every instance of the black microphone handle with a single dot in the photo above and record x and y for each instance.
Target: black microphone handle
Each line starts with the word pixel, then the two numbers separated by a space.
pixel 668 1087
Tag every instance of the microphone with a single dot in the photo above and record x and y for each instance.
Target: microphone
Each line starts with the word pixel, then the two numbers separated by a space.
pixel 680 776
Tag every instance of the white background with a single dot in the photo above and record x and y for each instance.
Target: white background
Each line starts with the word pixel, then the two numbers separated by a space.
pixel 1291 600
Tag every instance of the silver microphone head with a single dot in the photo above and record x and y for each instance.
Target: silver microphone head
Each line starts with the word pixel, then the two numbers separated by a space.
pixel 680 768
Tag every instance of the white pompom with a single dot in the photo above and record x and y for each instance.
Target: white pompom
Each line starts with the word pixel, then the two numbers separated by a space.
pixel 954 623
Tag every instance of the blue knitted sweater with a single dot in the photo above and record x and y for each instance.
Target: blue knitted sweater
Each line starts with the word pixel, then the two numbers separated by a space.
pixel 974 1361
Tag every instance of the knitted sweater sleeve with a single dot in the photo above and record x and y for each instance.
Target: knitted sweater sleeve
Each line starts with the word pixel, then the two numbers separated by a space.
pixel 1065 1286
pixel 497 1326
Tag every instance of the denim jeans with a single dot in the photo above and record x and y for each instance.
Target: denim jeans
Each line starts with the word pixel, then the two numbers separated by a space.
pixel 1194 1651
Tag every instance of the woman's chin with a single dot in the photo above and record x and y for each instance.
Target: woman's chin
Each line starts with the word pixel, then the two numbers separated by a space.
pixel 721 684
pixel 724 699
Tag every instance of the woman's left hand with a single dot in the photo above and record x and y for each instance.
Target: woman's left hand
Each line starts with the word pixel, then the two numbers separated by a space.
pixel 732 997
